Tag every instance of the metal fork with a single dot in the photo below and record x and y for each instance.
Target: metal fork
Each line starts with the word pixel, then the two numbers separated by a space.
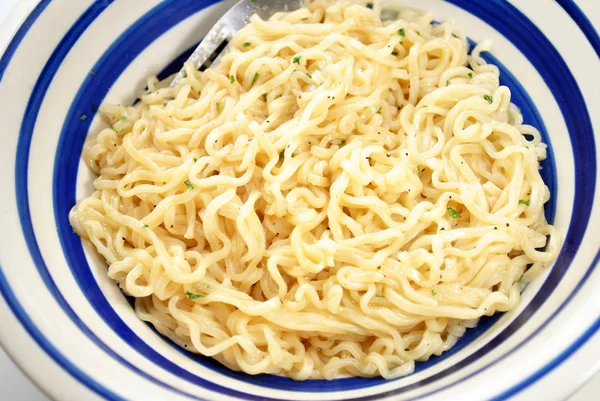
pixel 234 20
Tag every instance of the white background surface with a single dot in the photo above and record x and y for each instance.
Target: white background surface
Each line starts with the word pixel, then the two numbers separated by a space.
pixel 14 386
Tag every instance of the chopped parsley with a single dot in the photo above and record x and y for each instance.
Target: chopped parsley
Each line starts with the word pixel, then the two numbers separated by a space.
pixel 246 44
pixel 255 78
pixel 419 173
pixel 401 32
pixel 264 96
pixel 308 75
pixel 195 160
pixel 470 75
pixel 379 296
pixel 379 110
pixel 453 213
pixel 189 184
pixel 83 117
pixel 489 99
pixel 124 118
pixel 296 60
pixel 194 296
pixel 145 226
pixel 524 202
pixel 252 1
pixel 232 79
pixel 433 292
pixel 447 83
pixel 520 280
pixel 92 73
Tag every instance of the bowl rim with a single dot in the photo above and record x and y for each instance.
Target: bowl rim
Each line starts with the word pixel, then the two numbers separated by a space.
pixel 22 13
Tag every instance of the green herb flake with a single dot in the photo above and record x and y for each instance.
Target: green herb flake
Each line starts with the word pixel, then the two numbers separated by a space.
pixel 453 213
pixel 264 96
pixel 92 73
pixel 194 296
pixel 232 79
pixel 447 83
pixel 401 32
pixel 296 60
pixel 246 44
pixel 308 75
pixel 524 202
pixel 195 160
pixel 419 173
pixel 520 280
pixel 282 154
pixel 418 33
pixel 83 117
pixel 189 184
pixel 252 1
pixel 124 118
pixel 255 78
pixel 470 75
pixel 379 296
pixel 145 226
pixel 379 110
pixel 489 99
pixel 433 292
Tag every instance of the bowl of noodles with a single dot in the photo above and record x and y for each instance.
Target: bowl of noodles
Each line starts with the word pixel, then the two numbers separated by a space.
pixel 358 201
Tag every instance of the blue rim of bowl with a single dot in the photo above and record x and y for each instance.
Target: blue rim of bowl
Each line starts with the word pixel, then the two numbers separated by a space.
pixel 31 22
pixel 582 22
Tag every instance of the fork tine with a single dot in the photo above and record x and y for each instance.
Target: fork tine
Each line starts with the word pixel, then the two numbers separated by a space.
pixel 206 48
pixel 229 24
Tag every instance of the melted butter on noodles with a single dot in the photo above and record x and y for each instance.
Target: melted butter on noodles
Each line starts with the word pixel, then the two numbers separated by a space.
pixel 339 196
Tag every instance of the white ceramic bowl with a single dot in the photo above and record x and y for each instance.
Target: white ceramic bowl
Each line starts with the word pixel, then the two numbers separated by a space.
pixel 70 328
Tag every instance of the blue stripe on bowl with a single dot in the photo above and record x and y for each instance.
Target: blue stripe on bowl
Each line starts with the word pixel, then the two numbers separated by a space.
pixel 559 359
pixel 18 37
pixel 21 177
pixel 5 289
pixel 27 152
pixel 582 22
pixel 13 303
